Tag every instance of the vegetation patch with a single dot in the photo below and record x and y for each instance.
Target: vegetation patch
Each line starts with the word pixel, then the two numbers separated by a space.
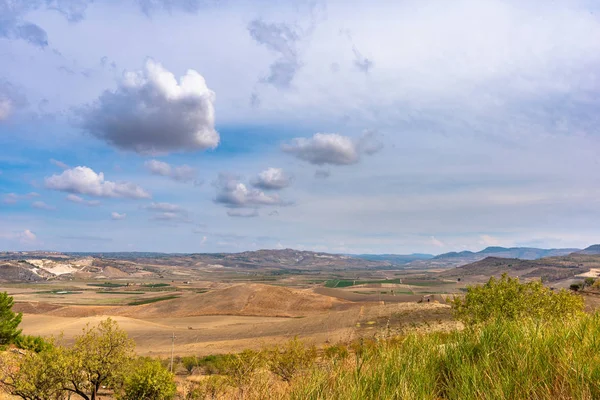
pixel 342 283
pixel 155 285
pixel 107 285
pixel 152 300
pixel 119 292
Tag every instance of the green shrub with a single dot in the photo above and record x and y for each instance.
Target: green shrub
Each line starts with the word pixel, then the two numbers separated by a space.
pixel 149 381
pixel 576 286
pixel 33 343
pixel 507 298
pixel 189 363
pixel 288 360
pixel 589 281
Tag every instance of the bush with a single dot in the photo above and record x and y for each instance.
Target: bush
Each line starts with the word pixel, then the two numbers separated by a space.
pixel 149 381
pixel 189 363
pixel 286 361
pixel 33 343
pixel 576 286
pixel 589 281
pixel 507 298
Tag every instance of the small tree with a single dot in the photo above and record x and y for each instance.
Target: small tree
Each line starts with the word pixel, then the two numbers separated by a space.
pixel 9 320
pixel 100 356
pixel 149 381
pixel 507 298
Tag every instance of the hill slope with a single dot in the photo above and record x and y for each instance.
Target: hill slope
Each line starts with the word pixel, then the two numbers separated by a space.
pixel 549 269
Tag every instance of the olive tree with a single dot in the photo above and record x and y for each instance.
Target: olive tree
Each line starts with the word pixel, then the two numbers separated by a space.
pixel 100 356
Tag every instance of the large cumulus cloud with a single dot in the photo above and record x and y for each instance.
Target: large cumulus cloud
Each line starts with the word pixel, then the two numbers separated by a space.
pixel 150 112
pixel 83 180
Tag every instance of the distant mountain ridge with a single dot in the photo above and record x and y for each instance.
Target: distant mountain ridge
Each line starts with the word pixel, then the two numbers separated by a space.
pixel 456 259
pixel 591 250
pixel 523 253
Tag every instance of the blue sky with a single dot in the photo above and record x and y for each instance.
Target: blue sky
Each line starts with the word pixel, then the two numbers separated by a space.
pixel 354 127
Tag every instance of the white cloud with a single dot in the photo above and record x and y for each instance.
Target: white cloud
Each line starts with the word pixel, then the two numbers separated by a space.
pixel 183 173
pixel 5 108
pixel 233 193
pixel 436 242
pixel 117 217
pixel 272 179
pixel 165 207
pixel 83 180
pixel 333 148
pixel 168 212
pixel 150 112
pixel 80 200
pixel 59 164
pixel 40 205
pixel 27 236
pixel 243 213
pixel 13 198
pixel 487 240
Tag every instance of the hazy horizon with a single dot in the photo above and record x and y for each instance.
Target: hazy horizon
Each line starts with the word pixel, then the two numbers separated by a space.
pixel 207 126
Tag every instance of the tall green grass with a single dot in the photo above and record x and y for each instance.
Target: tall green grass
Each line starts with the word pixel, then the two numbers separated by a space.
pixel 523 359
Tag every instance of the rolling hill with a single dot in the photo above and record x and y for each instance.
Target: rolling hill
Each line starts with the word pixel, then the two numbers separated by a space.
pixel 549 269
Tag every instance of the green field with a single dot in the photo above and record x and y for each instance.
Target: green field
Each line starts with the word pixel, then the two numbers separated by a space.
pixel 107 285
pixel 342 283
pixel 152 300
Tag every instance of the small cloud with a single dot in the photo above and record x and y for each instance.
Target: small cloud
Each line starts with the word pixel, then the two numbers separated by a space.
pixel 115 216
pixel 487 240
pixel 27 236
pixel 83 180
pixel 11 198
pixel 80 200
pixel 272 179
pixel 333 148
pixel 233 193
pixel 59 164
pixel 243 213
pixel 40 205
pixel 436 242
pixel 168 212
pixel 183 173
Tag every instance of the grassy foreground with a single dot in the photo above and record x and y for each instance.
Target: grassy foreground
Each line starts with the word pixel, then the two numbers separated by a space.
pixel 501 360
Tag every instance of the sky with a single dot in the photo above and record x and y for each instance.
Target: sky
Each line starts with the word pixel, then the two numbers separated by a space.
pixel 326 125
